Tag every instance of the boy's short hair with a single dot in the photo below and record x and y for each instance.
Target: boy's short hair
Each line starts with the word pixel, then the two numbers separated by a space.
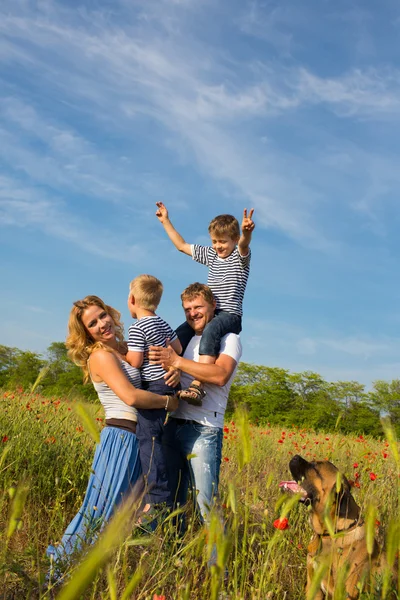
pixel 225 224
pixel 147 291
pixel 198 289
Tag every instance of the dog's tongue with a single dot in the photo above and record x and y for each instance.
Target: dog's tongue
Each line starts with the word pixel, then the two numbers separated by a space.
pixel 293 486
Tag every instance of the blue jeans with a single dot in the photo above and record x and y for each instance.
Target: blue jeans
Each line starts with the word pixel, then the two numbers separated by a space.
pixel 200 473
pixel 222 323
pixel 149 432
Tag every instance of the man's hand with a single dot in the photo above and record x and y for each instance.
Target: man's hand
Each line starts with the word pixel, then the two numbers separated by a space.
pixel 248 224
pixel 172 377
pixel 166 357
pixel 161 213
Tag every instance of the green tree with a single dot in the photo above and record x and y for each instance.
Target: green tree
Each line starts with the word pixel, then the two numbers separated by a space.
pixel 385 396
pixel 64 378
pixel 265 391
pixel 23 369
pixel 314 405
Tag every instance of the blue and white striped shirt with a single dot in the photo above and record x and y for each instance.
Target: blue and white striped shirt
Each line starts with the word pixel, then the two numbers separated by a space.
pixel 146 332
pixel 227 277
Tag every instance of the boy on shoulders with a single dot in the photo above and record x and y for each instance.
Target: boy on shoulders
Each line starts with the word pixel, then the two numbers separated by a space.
pixel 228 260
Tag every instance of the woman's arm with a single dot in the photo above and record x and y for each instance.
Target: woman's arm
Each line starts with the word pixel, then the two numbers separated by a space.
pixel 106 367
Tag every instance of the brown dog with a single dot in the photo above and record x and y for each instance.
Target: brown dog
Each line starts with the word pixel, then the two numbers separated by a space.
pixel 337 553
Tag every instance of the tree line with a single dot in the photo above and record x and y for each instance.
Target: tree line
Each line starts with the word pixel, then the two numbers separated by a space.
pixel 270 394
pixel 276 396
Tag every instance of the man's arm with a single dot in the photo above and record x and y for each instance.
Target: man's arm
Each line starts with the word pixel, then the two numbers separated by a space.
pixel 174 236
pixel 248 226
pixel 219 373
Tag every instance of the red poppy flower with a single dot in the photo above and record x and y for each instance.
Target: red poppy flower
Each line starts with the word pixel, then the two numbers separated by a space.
pixel 355 465
pixel 158 597
pixel 5 439
pixel 372 476
pixel 226 459
pixel 281 523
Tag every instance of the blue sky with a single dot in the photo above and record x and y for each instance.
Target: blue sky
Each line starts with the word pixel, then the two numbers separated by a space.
pixel 210 106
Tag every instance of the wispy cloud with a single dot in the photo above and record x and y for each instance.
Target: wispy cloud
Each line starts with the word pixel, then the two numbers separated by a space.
pixel 22 206
pixel 190 91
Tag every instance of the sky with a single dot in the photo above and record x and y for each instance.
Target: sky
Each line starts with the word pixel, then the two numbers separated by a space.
pixel 211 106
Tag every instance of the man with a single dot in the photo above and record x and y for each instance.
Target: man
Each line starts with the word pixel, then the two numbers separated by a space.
pixel 193 435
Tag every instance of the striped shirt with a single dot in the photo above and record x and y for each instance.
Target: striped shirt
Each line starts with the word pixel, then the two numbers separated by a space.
pixel 114 407
pixel 227 277
pixel 146 332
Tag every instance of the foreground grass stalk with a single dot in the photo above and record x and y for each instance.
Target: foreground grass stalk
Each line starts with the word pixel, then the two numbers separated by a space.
pixel 18 497
pixel 99 555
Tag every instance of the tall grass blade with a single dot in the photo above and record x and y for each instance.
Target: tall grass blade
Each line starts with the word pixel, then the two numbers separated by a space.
pixel 315 587
pixel 112 585
pixel 100 554
pixel 3 456
pixel 244 447
pixel 390 435
pixel 88 422
pixel 132 585
pixel 370 521
pixel 17 508
pixel 42 374
pixel 339 592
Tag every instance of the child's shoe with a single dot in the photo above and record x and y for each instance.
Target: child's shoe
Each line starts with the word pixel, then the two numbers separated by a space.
pixel 193 395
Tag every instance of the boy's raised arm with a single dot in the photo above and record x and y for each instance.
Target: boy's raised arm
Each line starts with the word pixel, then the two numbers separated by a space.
pixel 248 226
pixel 174 236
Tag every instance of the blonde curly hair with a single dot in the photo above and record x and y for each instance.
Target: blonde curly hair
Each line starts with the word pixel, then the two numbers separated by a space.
pixel 79 342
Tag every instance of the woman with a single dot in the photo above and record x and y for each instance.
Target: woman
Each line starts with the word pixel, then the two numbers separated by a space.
pixel 95 343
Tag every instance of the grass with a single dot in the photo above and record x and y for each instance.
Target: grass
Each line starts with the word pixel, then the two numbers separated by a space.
pixel 45 458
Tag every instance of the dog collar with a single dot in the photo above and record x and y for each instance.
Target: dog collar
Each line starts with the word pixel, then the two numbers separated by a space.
pixel 356 523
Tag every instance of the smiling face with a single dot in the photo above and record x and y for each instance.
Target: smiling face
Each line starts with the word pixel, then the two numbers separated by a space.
pixel 198 313
pixel 99 324
pixel 223 244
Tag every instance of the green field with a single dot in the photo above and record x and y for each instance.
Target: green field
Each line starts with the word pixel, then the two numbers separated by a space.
pixel 45 457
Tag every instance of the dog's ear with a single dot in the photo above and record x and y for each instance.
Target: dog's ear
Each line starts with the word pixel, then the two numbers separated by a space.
pixel 346 505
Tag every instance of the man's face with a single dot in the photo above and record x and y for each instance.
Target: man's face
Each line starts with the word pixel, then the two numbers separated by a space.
pixel 198 313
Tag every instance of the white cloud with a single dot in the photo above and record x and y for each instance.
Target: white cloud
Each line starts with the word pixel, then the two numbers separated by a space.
pixel 208 102
pixel 21 206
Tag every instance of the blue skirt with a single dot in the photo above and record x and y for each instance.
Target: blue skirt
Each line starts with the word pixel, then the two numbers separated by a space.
pixel 115 470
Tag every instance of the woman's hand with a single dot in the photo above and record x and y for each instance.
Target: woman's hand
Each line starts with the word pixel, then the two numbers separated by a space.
pixel 172 403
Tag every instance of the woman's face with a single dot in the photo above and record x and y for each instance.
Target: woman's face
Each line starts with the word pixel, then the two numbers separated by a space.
pixel 98 323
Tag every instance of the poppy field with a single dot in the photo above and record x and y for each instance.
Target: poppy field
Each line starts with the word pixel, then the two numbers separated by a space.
pixel 260 533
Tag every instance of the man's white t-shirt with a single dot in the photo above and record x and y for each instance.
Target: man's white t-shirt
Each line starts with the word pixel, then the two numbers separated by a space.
pixel 212 412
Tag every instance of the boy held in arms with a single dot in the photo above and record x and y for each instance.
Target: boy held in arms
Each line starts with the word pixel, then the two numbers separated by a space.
pixel 144 297
pixel 228 261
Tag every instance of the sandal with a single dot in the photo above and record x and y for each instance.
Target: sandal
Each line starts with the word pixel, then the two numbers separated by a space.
pixel 194 395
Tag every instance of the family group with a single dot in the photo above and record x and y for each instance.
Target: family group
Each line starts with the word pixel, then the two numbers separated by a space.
pixel 164 392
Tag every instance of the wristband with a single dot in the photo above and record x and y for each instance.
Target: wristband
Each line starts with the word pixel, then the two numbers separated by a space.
pixel 166 405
